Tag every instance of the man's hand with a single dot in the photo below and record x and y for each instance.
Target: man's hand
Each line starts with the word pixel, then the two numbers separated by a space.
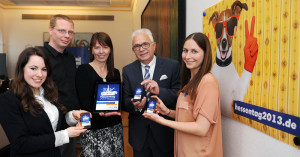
pixel 139 104
pixel 151 86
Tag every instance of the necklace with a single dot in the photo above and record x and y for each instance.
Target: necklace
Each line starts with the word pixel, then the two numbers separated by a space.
pixel 101 73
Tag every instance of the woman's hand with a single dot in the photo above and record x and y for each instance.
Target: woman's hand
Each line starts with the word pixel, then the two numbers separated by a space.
pixel 160 106
pixel 154 117
pixel 75 131
pixel 76 113
pixel 110 114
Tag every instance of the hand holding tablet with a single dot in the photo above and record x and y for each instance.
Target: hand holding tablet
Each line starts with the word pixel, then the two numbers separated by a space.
pixel 110 114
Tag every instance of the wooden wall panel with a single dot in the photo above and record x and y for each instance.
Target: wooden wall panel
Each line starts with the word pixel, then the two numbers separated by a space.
pixel 128 151
pixel 161 17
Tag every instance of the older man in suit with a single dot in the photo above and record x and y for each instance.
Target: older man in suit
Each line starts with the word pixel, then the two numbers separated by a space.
pixel 161 77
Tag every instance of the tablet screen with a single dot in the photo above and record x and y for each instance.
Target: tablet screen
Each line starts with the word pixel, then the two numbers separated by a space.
pixel 107 97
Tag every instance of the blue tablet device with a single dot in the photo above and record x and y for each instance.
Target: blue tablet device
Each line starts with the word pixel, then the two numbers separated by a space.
pixel 107 97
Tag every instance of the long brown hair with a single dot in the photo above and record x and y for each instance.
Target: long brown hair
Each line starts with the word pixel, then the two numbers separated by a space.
pixel 104 40
pixel 190 86
pixel 23 90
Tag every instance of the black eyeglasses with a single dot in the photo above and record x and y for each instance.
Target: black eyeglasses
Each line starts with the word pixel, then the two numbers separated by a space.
pixel 144 45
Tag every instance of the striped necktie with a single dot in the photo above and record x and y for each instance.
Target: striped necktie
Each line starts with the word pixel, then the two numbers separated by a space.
pixel 147 77
pixel 147 73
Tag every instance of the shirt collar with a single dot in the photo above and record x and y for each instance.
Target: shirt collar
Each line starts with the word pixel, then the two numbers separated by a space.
pixel 53 51
pixel 151 64
pixel 41 89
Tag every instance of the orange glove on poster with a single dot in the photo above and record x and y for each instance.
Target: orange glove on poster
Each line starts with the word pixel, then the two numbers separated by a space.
pixel 251 47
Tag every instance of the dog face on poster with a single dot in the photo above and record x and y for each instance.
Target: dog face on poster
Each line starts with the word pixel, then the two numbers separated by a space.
pixel 232 86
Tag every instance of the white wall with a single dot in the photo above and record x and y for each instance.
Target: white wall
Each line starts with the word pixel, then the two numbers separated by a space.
pixel 1 30
pixel 239 140
pixel 138 9
pixel 194 14
pixel 3 139
pixel 20 34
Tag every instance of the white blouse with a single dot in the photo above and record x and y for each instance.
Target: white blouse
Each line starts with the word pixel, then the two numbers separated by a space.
pixel 61 137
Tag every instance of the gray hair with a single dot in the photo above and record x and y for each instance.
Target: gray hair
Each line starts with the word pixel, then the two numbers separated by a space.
pixel 142 31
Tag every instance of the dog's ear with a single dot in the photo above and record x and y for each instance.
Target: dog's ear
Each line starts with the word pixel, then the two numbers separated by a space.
pixel 237 7
pixel 214 18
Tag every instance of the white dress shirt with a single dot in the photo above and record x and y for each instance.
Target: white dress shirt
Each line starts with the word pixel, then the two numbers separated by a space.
pixel 151 71
pixel 152 67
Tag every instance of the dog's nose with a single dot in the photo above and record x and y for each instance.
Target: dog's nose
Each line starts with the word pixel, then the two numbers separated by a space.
pixel 224 43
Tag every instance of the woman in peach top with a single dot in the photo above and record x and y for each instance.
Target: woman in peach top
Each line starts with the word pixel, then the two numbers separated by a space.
pixel 197 116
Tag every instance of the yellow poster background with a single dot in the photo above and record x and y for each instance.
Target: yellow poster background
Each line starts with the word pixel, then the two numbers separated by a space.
pixel 275 80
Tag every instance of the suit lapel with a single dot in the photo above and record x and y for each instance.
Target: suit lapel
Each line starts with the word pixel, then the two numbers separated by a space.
pixel 138 69
pixel 59 119
pixel 45 116
pixel 157 70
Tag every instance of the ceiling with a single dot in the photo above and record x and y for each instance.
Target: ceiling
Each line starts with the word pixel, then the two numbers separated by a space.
pixel 73 3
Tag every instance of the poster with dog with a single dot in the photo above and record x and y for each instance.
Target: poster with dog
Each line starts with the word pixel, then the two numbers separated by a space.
pixel 255 47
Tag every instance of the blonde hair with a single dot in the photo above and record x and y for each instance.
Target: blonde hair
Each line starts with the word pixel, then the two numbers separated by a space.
pixel 54 18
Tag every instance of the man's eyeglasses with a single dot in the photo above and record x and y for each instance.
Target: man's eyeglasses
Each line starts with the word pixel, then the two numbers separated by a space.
pixel 144 45
pixel 230 25
pixel 62 31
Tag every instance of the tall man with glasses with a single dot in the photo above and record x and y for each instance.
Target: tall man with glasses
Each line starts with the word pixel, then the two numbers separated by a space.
pixel 160 76
pixel 61 31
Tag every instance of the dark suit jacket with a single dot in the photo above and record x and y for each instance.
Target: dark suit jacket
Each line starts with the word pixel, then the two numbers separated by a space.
pixel 138 125
pixel 28 135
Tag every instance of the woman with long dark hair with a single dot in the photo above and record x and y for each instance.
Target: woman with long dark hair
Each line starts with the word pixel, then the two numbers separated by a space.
pixel 197 116
pixel 105 137
pixel 30 112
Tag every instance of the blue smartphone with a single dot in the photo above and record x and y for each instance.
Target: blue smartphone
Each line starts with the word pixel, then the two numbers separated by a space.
pixel 139 93
pixel 85 120
pixel 151 105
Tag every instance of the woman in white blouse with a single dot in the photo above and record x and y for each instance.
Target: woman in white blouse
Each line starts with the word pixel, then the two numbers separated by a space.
pixel 30 112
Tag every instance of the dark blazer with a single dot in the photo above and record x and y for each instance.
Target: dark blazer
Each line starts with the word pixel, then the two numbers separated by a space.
pixel 138 125
pixel 28 135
